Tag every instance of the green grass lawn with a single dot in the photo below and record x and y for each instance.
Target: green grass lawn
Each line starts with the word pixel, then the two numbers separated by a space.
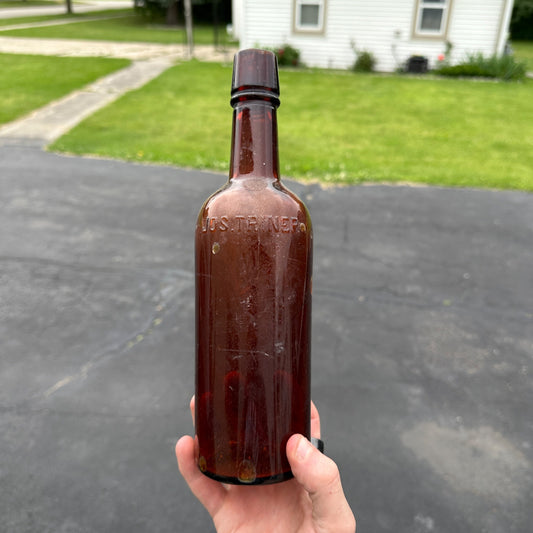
pixel 5 23
pixel 29 3
pixel 335 127
pixel 29 82
pixel 523 51
pixel 129 27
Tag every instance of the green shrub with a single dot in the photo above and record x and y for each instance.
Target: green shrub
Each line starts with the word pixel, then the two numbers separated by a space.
pixel 502 67
pixel 288 56
pixel 364 62
pixel 151 10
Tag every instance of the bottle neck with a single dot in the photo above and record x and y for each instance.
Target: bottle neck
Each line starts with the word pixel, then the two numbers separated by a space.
pixel 254 142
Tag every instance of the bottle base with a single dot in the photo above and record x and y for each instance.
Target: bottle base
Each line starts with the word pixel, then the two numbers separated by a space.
pixel 269 480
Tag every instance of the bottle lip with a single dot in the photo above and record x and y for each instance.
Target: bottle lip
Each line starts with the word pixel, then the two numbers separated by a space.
pixel 245 94
pixel 255 76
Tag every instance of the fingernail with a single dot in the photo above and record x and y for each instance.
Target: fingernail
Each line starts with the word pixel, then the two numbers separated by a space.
pixel 303 449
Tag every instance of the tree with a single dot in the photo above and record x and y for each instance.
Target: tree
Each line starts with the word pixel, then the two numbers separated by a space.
pixel 522 20
pixel 173 10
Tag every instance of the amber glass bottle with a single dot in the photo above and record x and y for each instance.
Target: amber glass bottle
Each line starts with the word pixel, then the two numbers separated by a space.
pixel 253 297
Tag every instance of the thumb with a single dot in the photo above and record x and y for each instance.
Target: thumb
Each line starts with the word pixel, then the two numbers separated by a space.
pixel 320 477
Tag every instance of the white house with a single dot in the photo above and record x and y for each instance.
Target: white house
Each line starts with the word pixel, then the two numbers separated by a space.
pixel 393 30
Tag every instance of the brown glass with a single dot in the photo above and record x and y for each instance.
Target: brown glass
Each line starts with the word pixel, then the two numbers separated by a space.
pixel 253 310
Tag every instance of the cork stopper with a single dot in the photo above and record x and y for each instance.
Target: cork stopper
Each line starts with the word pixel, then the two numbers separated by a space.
pixel 255 76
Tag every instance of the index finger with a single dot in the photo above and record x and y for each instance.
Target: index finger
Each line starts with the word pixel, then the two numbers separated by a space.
pixel 315 422
pixel 192 405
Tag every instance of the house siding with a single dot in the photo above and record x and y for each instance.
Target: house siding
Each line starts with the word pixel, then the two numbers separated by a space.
pixel 475 27
pixel 383 27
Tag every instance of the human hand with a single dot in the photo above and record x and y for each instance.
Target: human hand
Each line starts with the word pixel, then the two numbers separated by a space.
pixel 312 502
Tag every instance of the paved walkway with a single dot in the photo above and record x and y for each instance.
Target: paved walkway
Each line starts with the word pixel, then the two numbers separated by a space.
pixel 53 120
pixel 87 6
pixel 60 22
pixel 93 48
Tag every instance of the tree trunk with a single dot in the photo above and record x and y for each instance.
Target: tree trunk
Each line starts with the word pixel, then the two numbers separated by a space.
pixel 172 17
pixel 69 6
pixel 188 25
pixel 215 23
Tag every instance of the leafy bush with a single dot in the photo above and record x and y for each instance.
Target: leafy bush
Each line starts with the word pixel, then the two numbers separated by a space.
pixel 151 10
pixel 365 62
pixel 288 56
pixel 503 67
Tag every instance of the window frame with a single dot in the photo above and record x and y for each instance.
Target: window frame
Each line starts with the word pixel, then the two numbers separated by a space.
pixel 420 5
pixel 297 27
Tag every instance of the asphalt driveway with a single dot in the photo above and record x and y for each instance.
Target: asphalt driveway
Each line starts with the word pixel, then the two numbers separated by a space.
pixel 422 348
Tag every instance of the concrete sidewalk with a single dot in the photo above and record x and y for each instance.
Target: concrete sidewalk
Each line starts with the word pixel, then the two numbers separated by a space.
pixel 88 6
pixel 94 48
pixel 48 123
pixel 60 22
pixel 53 120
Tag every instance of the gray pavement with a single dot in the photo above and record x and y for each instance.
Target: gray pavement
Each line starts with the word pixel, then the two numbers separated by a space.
pixel 422 348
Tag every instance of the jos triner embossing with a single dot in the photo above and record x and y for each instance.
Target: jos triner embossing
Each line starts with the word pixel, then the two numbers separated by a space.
pixel 254 223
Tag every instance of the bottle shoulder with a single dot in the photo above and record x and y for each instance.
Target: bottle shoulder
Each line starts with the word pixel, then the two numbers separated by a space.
pixel 253 196
pixel 254 206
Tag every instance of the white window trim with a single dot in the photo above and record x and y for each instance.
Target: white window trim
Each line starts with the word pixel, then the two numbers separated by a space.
pixel 305 28
pixel 431 34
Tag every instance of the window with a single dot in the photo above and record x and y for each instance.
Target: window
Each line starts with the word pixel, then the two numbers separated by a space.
pixel 431 18
pixel 309 16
